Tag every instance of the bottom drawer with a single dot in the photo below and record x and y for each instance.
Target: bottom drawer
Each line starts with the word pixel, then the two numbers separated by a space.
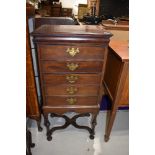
pixel 71 100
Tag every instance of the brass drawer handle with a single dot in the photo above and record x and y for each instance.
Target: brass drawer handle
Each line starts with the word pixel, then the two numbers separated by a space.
pixel 71 100
pixel 71 90
pixel 72 66
pixel 72 52
pixel 71 78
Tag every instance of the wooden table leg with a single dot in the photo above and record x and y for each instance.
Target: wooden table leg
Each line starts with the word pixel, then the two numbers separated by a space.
pixel 93 124
pixel 110 121
pixel 29 143
pixel 38 124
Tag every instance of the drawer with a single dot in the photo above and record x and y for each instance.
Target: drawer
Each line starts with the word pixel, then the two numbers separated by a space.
pixel 85 90
pixel 49 52
pixel 71 67
pixel 56 79
pixel 71 100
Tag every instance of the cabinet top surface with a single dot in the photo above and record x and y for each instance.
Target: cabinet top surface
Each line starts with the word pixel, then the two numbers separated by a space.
pixel 121 48
pixel 71 30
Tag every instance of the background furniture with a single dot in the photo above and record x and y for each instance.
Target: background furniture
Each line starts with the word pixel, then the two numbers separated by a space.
pixel 53 21
pixel 32 105
pixel 66 12
pixel 82 10
pixel 71 63
pixel 56 10
pixel 116 80
pixel 116 25
pixel 93 4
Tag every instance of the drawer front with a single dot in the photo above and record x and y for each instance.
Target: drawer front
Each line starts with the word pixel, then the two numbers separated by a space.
pixel 56 79
pixel 48 52
pixel 71 100
pixel 71 67
pixel 85 90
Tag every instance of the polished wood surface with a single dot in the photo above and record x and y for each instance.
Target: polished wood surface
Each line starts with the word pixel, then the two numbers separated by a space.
pixel 116 80
pixel 32 105
pixel 85 90
pixel 113 75
pixel 72 64
pixel 72 31
pixel 63 66
pixel 113 67
pixel 124 99
pixel 78 109
pixel 64 101
pixel 121 48
pixel 85 52
pixel 71 78
pixel 39 21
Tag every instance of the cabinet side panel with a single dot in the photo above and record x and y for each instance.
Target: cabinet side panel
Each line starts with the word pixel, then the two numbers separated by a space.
pixel 124 100
pixel 112 73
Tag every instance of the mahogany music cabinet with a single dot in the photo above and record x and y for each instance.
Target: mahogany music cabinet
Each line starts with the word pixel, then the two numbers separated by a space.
pixel 71 64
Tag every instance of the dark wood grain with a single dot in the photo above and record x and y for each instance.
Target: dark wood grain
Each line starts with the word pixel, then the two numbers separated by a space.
pixel 124 99
pixel 116 80
pixel 86 90
pixel 54 65
pixel 32 105
pixel 59 79
pixel 49 52
pixel 61 66
pixel 112 73
pixel 72 31
pixel 62 100
pixel 39 21
pixel 78 109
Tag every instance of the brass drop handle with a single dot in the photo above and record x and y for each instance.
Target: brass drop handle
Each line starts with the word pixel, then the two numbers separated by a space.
pixel 71 100
pixel 72 51
pixel 71 78
pixel 71 90
pixel 72 66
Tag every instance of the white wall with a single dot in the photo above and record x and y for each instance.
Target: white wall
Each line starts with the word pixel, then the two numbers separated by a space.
pixel 72 4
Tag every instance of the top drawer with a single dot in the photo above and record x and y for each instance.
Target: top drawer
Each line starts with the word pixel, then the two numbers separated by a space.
pixel 53 52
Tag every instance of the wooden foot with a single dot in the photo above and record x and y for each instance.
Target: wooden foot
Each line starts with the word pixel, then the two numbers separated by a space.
pixel 91 137
pixel 49 137
pixel 110 121
pixel 106 138
pixel 39 126
pixel 93 124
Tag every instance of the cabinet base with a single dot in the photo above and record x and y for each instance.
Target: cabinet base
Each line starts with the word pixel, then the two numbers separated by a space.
pixel 70 121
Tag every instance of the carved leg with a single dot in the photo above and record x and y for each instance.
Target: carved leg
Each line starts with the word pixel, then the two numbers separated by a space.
pixel 38 124
pixel 47 124
pixel 29 143
pixel 93 124
pixel 71 121
pixel 50 132
pixel 110 120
